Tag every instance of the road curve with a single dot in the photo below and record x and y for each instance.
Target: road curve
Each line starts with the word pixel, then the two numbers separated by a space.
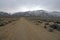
pixel 24 30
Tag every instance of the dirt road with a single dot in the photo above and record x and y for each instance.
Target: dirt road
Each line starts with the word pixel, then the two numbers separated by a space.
pixel 24 30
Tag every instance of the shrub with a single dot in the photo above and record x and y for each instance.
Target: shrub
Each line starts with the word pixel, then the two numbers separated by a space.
pixel 9 21
pixel 46 23
pixel 1 20
pixel 57 22
pixel 45 26
pixel 1 24
pixel 39 21
pixel 54 26
pixel 5 22
pixel 50 29
pixel 58 28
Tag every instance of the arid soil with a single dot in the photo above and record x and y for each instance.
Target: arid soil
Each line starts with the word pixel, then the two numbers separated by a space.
pixel 26 30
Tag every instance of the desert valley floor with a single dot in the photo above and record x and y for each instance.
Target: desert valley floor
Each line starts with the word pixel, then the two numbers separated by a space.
pixel 26 30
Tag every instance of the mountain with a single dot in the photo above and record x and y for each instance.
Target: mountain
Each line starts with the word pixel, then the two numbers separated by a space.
pixel 4 14
pixel 39 13
pixel 18 14
pixel 55 13
pixel 33 14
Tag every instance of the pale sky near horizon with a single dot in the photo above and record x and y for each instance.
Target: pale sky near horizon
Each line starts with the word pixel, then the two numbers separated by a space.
pixel 29 5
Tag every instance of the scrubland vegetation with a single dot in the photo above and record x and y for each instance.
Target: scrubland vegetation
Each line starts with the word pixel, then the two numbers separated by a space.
pixel 49 25
pixel 29 26
pixel 40 19
pixel 6 20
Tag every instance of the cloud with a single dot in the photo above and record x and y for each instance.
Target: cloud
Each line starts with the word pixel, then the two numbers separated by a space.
pixel 19 5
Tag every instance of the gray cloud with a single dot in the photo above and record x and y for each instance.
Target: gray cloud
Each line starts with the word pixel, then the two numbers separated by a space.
pixel 18 5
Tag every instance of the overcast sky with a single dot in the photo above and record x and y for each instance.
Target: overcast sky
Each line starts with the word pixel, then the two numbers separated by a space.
pixel 29 5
